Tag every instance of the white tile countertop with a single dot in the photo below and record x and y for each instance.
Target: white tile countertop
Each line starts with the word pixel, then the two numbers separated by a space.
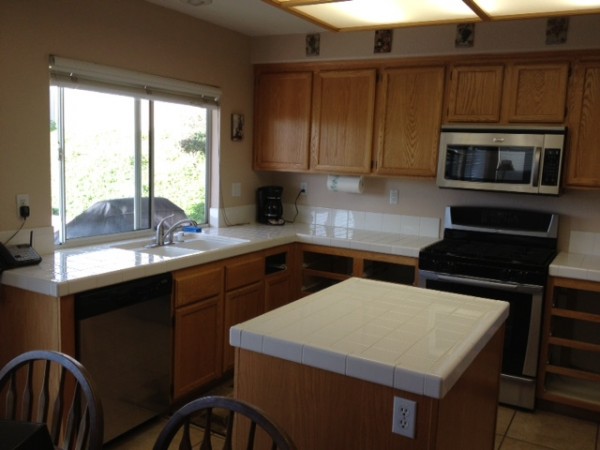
pixel 581 261
pixel 79 269
pixel 416 340
pixel 578 266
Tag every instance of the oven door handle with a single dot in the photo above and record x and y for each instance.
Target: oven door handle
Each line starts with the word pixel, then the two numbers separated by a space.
pixel 488 283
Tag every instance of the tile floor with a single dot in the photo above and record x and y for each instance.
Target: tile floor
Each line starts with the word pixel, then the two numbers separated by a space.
pixel 542 430
pixel 515 430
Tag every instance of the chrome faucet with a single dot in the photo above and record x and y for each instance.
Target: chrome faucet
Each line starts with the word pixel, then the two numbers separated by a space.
pixel 166 237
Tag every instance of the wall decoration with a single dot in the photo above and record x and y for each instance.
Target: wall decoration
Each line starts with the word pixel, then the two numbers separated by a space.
pixel 465 35
pixel 313 44
pixel 237 127
pixel 556 30
pixel 383 41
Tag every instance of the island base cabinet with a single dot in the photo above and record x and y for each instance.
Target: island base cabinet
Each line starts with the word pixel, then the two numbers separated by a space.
pixel 323 410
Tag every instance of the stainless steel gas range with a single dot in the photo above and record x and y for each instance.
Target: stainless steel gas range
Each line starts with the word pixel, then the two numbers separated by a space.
pixel 502 254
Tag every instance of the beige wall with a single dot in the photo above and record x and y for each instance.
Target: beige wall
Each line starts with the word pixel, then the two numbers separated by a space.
pixel 137 35
pixel 130 34
pixel 580 210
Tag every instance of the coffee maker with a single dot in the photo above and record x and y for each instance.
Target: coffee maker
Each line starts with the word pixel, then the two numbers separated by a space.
pixel 269 209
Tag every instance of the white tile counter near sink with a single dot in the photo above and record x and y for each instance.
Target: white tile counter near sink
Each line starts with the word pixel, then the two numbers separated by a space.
pixel 72 270
pixel 191 244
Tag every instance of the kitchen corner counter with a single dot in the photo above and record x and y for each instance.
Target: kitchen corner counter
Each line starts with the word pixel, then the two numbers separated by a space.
pixel 411 339
pixel 578 266
pixel 69 271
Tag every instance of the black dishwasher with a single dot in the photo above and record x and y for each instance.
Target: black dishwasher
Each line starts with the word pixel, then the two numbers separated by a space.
pixel 124 334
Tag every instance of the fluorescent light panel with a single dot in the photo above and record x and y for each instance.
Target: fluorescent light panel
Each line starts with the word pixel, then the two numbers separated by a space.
pixel 507 8
pixel 369 14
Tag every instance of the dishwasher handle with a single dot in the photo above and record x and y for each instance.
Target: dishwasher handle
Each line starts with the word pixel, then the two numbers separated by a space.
pixel 109 298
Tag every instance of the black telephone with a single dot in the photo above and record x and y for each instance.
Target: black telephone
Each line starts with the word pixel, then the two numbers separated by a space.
pixel 19 255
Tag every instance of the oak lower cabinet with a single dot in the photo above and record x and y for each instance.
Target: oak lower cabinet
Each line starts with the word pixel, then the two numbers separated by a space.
pixel 198 341
pixel 321 267
pixel 244 296
pixel 342 120
pixel 280 276
pixel 30 320
pixel 570 355
pixel 583 159
pixel 282 105
pixel 408 120
pixel 209 299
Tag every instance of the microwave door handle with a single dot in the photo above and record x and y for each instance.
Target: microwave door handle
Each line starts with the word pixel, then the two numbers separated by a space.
pixel 536 166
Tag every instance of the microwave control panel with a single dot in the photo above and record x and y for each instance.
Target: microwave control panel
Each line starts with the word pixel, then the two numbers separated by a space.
pixel 551 168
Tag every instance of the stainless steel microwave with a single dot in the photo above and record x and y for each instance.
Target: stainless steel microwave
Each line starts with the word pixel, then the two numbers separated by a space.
pixel 509 159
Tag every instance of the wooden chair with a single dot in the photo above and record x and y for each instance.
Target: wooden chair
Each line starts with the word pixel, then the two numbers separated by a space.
pixel 53 388
pixel 251 425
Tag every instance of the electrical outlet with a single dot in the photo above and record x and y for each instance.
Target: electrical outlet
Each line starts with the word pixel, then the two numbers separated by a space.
pixel 236 189
pixel 22 200
pixel 393 196
pixel 404 417
pixel 304 187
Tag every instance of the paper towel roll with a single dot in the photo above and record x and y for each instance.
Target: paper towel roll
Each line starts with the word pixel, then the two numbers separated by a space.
pixel 337 183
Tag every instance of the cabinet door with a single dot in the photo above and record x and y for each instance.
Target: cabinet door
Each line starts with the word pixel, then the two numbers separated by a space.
pixel 282 121
pixel 583 158
pixel 197 346
pixel 408 121
pixel 279 277
pixel 537 92
pixel 240 305
pixel 475 93
pixel 196 283
pixel 343 112
pixel 278 291
pixel 244 270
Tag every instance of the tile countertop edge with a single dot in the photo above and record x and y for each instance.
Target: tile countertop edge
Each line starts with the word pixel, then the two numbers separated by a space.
pixel 433 383
pixel 45 278
pixel 578 266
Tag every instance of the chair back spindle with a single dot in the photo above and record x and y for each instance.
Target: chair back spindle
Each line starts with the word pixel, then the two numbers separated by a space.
pixel 53 388
pixel 243 422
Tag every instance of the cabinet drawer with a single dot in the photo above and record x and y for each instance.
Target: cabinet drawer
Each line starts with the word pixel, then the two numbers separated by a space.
pixel 244 271
pixel 192 285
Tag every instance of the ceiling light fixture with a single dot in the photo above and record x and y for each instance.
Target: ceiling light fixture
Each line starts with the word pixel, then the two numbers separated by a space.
pixel 345 15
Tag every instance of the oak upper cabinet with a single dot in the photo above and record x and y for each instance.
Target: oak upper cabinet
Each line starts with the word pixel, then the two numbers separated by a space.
pixel 343 113
pixel 282 120
pixel 408 120
pixel 198 348
pixel 510 92
pixel 536 92
pixel 475 93
pixel 583 159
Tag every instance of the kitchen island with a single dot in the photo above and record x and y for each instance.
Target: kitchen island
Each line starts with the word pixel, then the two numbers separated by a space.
pixel 328 367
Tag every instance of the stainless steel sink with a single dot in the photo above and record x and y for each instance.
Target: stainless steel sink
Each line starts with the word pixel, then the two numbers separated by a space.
pixel 205 243
pixel 188 246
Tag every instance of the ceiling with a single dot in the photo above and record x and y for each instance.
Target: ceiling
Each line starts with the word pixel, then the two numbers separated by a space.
pixel 249 17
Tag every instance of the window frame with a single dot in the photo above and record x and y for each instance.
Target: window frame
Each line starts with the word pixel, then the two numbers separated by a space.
pixel 65 73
